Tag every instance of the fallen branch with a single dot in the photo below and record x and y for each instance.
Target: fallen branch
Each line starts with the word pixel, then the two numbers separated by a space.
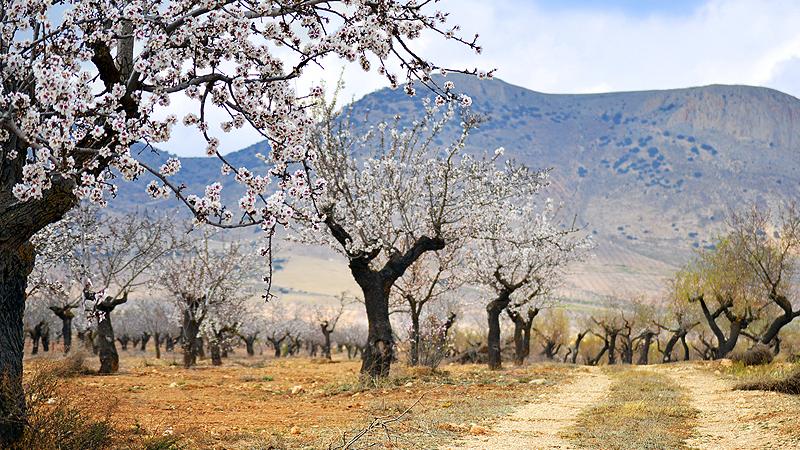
pixel 377 423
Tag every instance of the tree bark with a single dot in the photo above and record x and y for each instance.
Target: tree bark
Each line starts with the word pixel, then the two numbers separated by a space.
pixel 249 342
pixel 326 346
pixel 376 360
pixel 276 345
pixel 577 346
pixel 46 337
pixel 157 343
pixel 35 336
pixel 190 331
pixel 522 334
pixel 644 355
pixel 686 353
pixel 15 266
pixel 109 358
pixel 612 348
pixel 107 349
pixel 66 315
pixel 216 353
pixel 169 344
pixel 145 340
pixel 493 311
pixel 413 354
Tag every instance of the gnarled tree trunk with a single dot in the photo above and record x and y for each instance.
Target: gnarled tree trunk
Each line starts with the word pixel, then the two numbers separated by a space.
pixel 66 315
pixel 493 311
pixel 376 360
pixel 216 353
pixel 15 266
pixel 522 333
pixel 145 340
pixel 644 354
pixel 190 348
pixel 577 346
pixel 157 343
pixel 107 349
pixel 250 342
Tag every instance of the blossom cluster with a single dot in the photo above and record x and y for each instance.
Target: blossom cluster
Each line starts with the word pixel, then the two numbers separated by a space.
pixel 85 80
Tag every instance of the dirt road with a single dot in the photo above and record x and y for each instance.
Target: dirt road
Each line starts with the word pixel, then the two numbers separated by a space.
pixel 538 424
pixel 727 419
pixel 731 419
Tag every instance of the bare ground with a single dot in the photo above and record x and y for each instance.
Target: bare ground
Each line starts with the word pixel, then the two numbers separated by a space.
pixel 540 423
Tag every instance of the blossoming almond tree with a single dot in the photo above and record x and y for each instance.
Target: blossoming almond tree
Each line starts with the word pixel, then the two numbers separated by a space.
pixel 393 195
pixel 205 280
pixel 83 80
pixel 123 260
pixel 518 256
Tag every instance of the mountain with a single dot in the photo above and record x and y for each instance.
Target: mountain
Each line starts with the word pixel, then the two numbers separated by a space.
pixel 651 174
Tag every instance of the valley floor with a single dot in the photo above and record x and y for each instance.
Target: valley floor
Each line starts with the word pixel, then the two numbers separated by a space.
pixel 261 402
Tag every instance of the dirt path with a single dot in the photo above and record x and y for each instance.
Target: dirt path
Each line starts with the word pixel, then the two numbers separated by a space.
pixel 732 419
pixel 538 424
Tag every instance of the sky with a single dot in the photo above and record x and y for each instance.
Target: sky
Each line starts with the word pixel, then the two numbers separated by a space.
pixel 574 46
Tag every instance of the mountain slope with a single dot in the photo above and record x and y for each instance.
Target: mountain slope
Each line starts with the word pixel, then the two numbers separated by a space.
pixel 650 174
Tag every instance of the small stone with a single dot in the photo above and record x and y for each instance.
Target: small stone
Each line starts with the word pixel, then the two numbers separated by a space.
pixel 477 430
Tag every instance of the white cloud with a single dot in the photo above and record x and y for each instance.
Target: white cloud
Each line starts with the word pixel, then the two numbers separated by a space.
pixel 574 50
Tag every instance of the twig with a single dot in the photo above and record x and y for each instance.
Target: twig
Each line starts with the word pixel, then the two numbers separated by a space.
pixel 377 422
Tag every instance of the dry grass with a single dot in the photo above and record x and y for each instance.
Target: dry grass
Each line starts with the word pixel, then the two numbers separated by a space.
pixel 758 355
pixel 249 402
pixel 644 410
pixel 787 385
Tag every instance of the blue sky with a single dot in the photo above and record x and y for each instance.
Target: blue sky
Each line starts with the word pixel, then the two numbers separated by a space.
pixel 572 46
pixel 632 7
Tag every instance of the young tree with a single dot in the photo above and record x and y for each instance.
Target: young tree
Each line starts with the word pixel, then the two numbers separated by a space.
pixel 221 324
pixel 57 275
pixel 327 319
pixel 353 337
pixel 37 322
pixel 406 197
pixel 429 281
pixel 678 319
pixel 252 324
pixel 611 323
pixel 573 351
pixel 122 260
pixel 83 80
pixel 552 331
pixel 277 326
pixel 157 317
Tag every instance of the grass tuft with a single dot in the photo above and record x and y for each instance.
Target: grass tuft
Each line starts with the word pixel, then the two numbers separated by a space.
pixel 758 355
pixel 788 385
pixel 644 410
